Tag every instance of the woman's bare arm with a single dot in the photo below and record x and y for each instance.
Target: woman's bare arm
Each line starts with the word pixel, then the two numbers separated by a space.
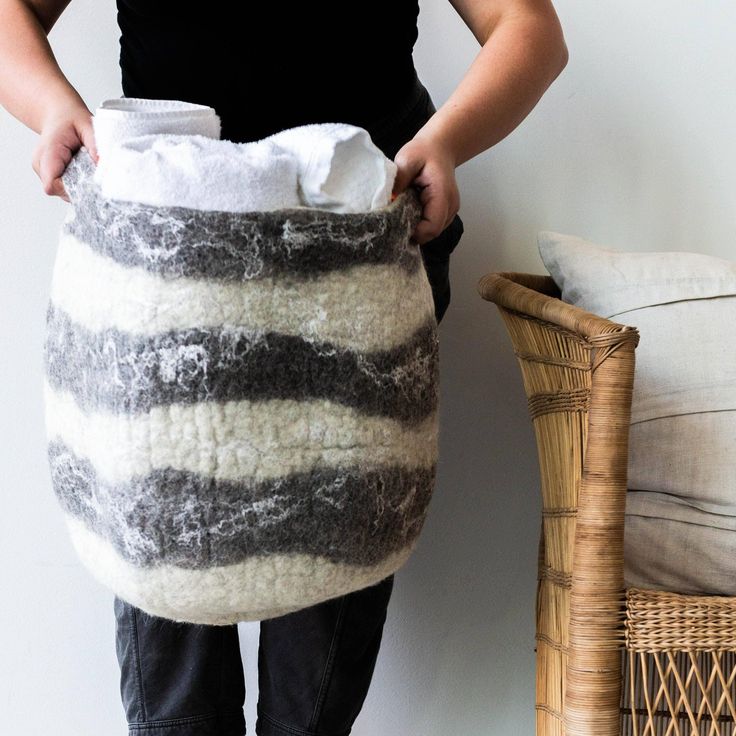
pixel 35 91
pixel 522 52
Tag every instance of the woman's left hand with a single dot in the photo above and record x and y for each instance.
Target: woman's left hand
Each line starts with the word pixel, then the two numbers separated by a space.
pixel 427 164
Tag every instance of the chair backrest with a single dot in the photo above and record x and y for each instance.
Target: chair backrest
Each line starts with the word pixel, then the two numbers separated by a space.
pixel 578 373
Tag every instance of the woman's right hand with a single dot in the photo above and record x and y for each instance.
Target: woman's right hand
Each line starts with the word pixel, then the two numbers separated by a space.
pixel 62 134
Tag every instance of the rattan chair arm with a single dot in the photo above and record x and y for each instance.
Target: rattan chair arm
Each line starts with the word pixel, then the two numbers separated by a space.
pixel 538 296
pixel 597 605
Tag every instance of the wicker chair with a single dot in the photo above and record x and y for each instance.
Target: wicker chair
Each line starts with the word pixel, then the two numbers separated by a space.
pixel 610 660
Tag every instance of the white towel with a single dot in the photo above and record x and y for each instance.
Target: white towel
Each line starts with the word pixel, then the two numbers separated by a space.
pixel 120 118
pixel 340 168
pixel 145 156
pixel 198 172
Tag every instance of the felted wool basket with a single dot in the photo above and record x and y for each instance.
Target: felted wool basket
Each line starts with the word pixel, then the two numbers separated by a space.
pixel 241 408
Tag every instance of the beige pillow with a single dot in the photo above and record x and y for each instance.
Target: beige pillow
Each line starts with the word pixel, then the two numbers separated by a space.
pixel 681 507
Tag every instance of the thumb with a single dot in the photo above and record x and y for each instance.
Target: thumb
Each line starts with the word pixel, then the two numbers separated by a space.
pixel 86 134
pixel 408 169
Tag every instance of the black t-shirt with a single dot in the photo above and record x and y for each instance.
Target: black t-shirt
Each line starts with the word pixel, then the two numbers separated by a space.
pixel 271 65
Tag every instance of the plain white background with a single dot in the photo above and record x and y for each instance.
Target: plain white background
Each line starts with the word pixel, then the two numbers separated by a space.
pixel 632 147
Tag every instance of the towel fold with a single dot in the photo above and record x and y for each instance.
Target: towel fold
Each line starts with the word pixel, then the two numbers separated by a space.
pixel 169 153
pixel 340 168
pixel 200 173
pixel 120 118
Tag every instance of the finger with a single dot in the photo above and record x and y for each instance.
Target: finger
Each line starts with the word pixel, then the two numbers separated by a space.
pixel 435 214
pixel 453 208
pixel 436 196
pixel 55 188
pixel 408 169
pixel 452 202
pixel 59 190
pixel 52 163
pixel 87 136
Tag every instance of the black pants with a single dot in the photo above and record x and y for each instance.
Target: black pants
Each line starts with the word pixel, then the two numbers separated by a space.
pixel 314 665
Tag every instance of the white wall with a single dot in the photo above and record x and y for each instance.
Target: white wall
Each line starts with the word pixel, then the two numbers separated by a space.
pixel 632 147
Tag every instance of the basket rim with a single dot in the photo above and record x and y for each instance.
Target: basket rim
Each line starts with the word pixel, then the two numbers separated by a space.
pixel 406 204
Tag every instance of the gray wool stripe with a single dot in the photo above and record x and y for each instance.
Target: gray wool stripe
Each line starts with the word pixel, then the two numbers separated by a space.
pixel 180 518
pixel 124 373
pixel 177 242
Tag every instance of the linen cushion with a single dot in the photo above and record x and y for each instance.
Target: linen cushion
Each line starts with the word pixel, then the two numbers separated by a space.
pixel 680 529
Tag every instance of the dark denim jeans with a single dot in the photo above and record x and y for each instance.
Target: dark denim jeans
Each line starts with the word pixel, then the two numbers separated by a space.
pixel 314 665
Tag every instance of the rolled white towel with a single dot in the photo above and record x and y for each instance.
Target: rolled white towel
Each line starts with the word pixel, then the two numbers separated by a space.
pixel 340 168
pixel 120 118
pixel 198 172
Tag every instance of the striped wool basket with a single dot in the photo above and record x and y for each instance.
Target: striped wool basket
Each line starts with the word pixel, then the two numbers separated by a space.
pixel 241 408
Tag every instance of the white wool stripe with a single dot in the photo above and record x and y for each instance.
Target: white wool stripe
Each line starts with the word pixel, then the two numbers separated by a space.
pixel 246 591
pixel 231 440
pixel 98 293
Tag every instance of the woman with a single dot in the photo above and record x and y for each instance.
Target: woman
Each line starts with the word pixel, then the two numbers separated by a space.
pixel 264 69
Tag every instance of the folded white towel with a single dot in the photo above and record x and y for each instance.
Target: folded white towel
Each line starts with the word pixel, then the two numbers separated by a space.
pixel 120 118
pixel 340 168
pixel 169 152
pixel 198 172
